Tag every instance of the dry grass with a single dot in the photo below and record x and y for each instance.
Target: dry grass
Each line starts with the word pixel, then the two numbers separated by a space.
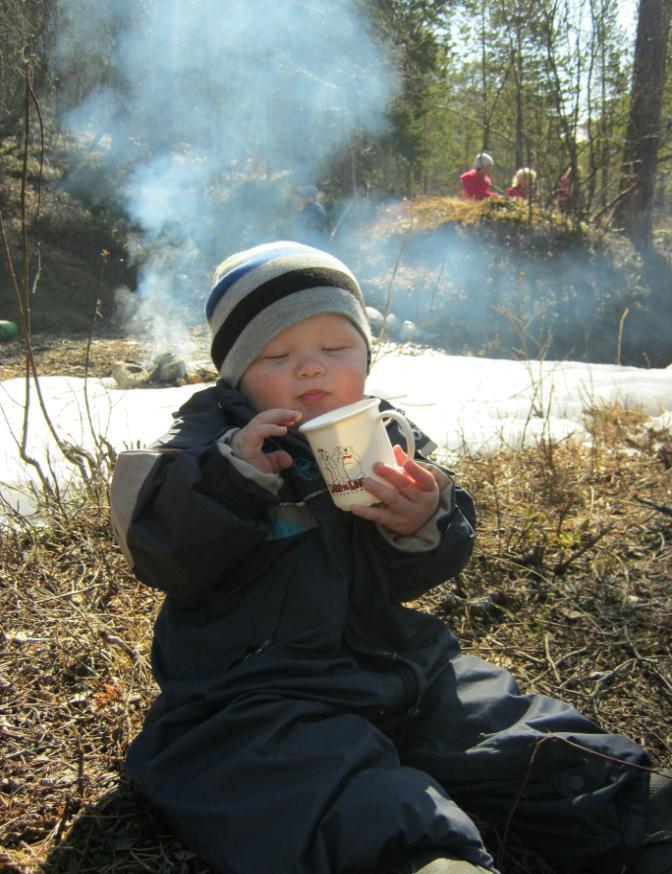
pixel 69 355
pixel 427 212
pixel 569 585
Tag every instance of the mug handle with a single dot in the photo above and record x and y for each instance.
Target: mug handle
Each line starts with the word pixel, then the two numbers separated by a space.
pixel 406 429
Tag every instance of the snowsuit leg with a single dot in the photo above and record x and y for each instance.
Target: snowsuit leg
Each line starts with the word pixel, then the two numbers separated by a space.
pixel 532 762
pixel 271 783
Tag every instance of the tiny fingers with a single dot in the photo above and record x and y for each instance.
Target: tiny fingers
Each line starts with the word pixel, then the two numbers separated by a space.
pixel 387 493
pixel 279 416
pixel 386 516
pixel 273 429
pixel 393 476
pixel 420 475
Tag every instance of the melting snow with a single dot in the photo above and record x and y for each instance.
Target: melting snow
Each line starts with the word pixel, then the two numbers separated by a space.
pixel 463 403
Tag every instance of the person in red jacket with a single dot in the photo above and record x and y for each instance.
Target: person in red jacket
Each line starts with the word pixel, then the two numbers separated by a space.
pixel 476 182
pixel 564 191
pixel 523 184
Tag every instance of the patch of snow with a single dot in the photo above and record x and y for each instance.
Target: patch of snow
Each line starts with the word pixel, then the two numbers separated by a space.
pixel 463 403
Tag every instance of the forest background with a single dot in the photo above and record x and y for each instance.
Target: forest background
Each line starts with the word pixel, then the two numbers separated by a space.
pixel 143 142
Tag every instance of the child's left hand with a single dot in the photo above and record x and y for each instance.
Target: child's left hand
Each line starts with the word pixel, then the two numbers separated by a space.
pixel 409 500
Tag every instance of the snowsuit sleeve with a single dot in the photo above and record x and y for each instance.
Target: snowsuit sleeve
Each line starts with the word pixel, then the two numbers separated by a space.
pixel 442 547
pixel 185 515
pixel 413 571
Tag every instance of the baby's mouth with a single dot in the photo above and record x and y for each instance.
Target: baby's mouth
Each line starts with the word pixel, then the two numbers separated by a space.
pixel 313 396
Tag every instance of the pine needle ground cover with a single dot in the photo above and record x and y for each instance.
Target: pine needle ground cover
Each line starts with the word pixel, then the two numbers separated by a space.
pixel 568 587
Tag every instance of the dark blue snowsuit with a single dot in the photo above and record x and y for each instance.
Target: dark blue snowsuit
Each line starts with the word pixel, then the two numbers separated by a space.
pixel 308 722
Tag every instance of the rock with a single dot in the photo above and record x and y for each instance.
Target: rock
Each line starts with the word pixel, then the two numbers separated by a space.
pixel 8 330
pixel 407 331
pixel 168 368
pixel 375 318
pixel 392 325
pixel 129 374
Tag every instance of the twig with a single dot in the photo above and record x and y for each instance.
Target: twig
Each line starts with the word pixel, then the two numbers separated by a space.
pixel 117 641
pixel 22 296
pixel 547 652
pixel 662 508
pixel 620 335
pixel 80 767
pixel 605 678
pixel 388 297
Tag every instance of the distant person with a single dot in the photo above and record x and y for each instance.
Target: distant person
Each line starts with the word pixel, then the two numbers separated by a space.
pixel 523 184
pixel 476 183
pixel 563 191
pixel 312 217
pixel 309 722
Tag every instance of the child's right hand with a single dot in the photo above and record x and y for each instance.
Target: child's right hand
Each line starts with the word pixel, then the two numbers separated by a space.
pixel 248 442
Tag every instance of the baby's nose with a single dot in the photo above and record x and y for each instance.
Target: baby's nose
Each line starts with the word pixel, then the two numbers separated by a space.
pixel 310 366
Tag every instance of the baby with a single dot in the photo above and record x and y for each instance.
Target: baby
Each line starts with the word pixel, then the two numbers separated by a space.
pixel 309 722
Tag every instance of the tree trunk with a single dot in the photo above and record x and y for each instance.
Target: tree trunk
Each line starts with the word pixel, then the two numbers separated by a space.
pixel 633 212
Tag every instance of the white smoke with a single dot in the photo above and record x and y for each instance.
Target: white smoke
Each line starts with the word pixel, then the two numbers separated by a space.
pixel 218 111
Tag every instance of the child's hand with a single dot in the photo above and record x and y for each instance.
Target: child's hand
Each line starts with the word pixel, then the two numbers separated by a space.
pixel 248 442
pixel 410 499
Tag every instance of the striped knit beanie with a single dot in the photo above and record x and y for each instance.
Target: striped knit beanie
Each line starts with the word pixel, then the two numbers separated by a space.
pixel 263 291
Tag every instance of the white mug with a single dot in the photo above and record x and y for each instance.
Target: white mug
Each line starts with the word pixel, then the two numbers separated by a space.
pixel 347 442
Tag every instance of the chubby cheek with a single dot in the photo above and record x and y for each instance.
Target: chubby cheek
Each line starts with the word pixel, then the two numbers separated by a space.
pixel 352 385
pixel 265 390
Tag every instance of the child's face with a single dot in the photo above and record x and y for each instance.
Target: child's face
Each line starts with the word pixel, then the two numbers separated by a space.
pixel 313 367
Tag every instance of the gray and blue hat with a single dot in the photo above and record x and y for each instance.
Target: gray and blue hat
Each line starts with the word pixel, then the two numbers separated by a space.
pixel 263 291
